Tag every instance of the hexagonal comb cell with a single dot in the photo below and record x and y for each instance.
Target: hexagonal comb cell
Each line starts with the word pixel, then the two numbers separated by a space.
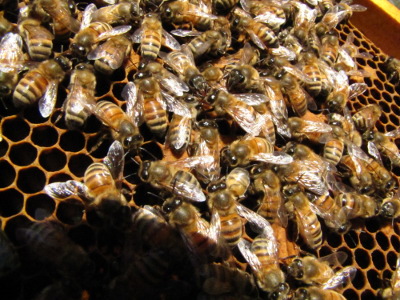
pixel 36 151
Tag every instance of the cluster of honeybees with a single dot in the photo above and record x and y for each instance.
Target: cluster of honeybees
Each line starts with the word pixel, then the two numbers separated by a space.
pixel 288 84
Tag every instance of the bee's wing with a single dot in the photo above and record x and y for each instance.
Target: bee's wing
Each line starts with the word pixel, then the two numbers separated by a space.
pixel 196 11
pixel 172 83
pixel 180 139
pixel 192 161
pixel 276 157
pixel 246 119
pixel 78 100
pixel 170 41
pixel 136 37
pixel 185 33
pixel 340 278
pixel 252 98
pixel 115 161
pixel 373 150
pixel 256 40
pixel 48 101
pixel 334 259
pixel 269 18
pixel 284 52
pixel 393 133
pixel 357 89
pixel 10 52
pixel 396 275
pixel 311 126
pixel 65 189
pixel 175 106
pixel 134 103
pixel 38 32
pixel 296 72
pixel 252 259
pixel 87 15
pixel 113 32
pixel 258 223
pixel 358 8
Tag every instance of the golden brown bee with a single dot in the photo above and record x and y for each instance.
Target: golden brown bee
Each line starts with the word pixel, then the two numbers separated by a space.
pixel 182 12
pixel 317 271
pixel 154 112
pixel 390 207
pixel 217 279
pixel 59 11
pixel 223 202
pixel 202 238
pixel 38 39
pixel 244 78
pixel 357 205
pixel 304 20
pixel 121 125
pixel 262 256
pixel 392 66
pixel 270 13
pixel 102 183
pixel 10 62
pixel 169 176
pixel 329 50
pixel 207 143
pixel 81 94
pixel 334 145
pixel 307 130
pixel 183 63
pixel 271 205
pixel 392 292
pixel 151 35
pixel 307 221
pixel 297 96
pixel 242 111
pixel 110 55
pixel 311 68
pixel 49 243
pixel 260 34
pixel 316 293
pixel 382 178
pixel 5 25
pixel 237 182
pixel 383 143
pixel 41 84
pixel 345 121
pixel 123 13
pixel 242 152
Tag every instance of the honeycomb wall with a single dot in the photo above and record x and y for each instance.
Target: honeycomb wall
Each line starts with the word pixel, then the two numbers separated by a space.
pixel 35 152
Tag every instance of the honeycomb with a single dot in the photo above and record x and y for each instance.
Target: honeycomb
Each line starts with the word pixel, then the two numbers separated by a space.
pixel 35 152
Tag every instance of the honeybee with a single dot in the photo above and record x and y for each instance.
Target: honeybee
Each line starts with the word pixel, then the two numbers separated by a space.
pixel 335 15
pixel 241 110
pixel 346 122
pixel 90 32
pixel 390 207
pixel 334 144
pixel 348 52
pixel 223 202
pixel 304 20
pixel 202 238
pixel 268 184
pixel 316 293
pixel 382 178
pixel 242 152
pixel 318 271
pixel 212 42
pixel 59 11
pixel 207 143
pixel 329 50
pixel 357 205
pixel 392 67
pixel 262 256
pixel 11 62
pixel 269 12
pixel 343 91
pixel 260 34
pixel 38 39
pixel 50 244
pixel 170 176
pixel 123 13
pixel 110 55
pixel 307 221
pixel 152 229
pixel 183 63
pixel 217 279
pixel 183 12
pixel 382 142
pixel 303 129
pixel 393 291
pixel 81 90
pixel 151 35
pixel 244 78
pixel 42 83
pixel 101 188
